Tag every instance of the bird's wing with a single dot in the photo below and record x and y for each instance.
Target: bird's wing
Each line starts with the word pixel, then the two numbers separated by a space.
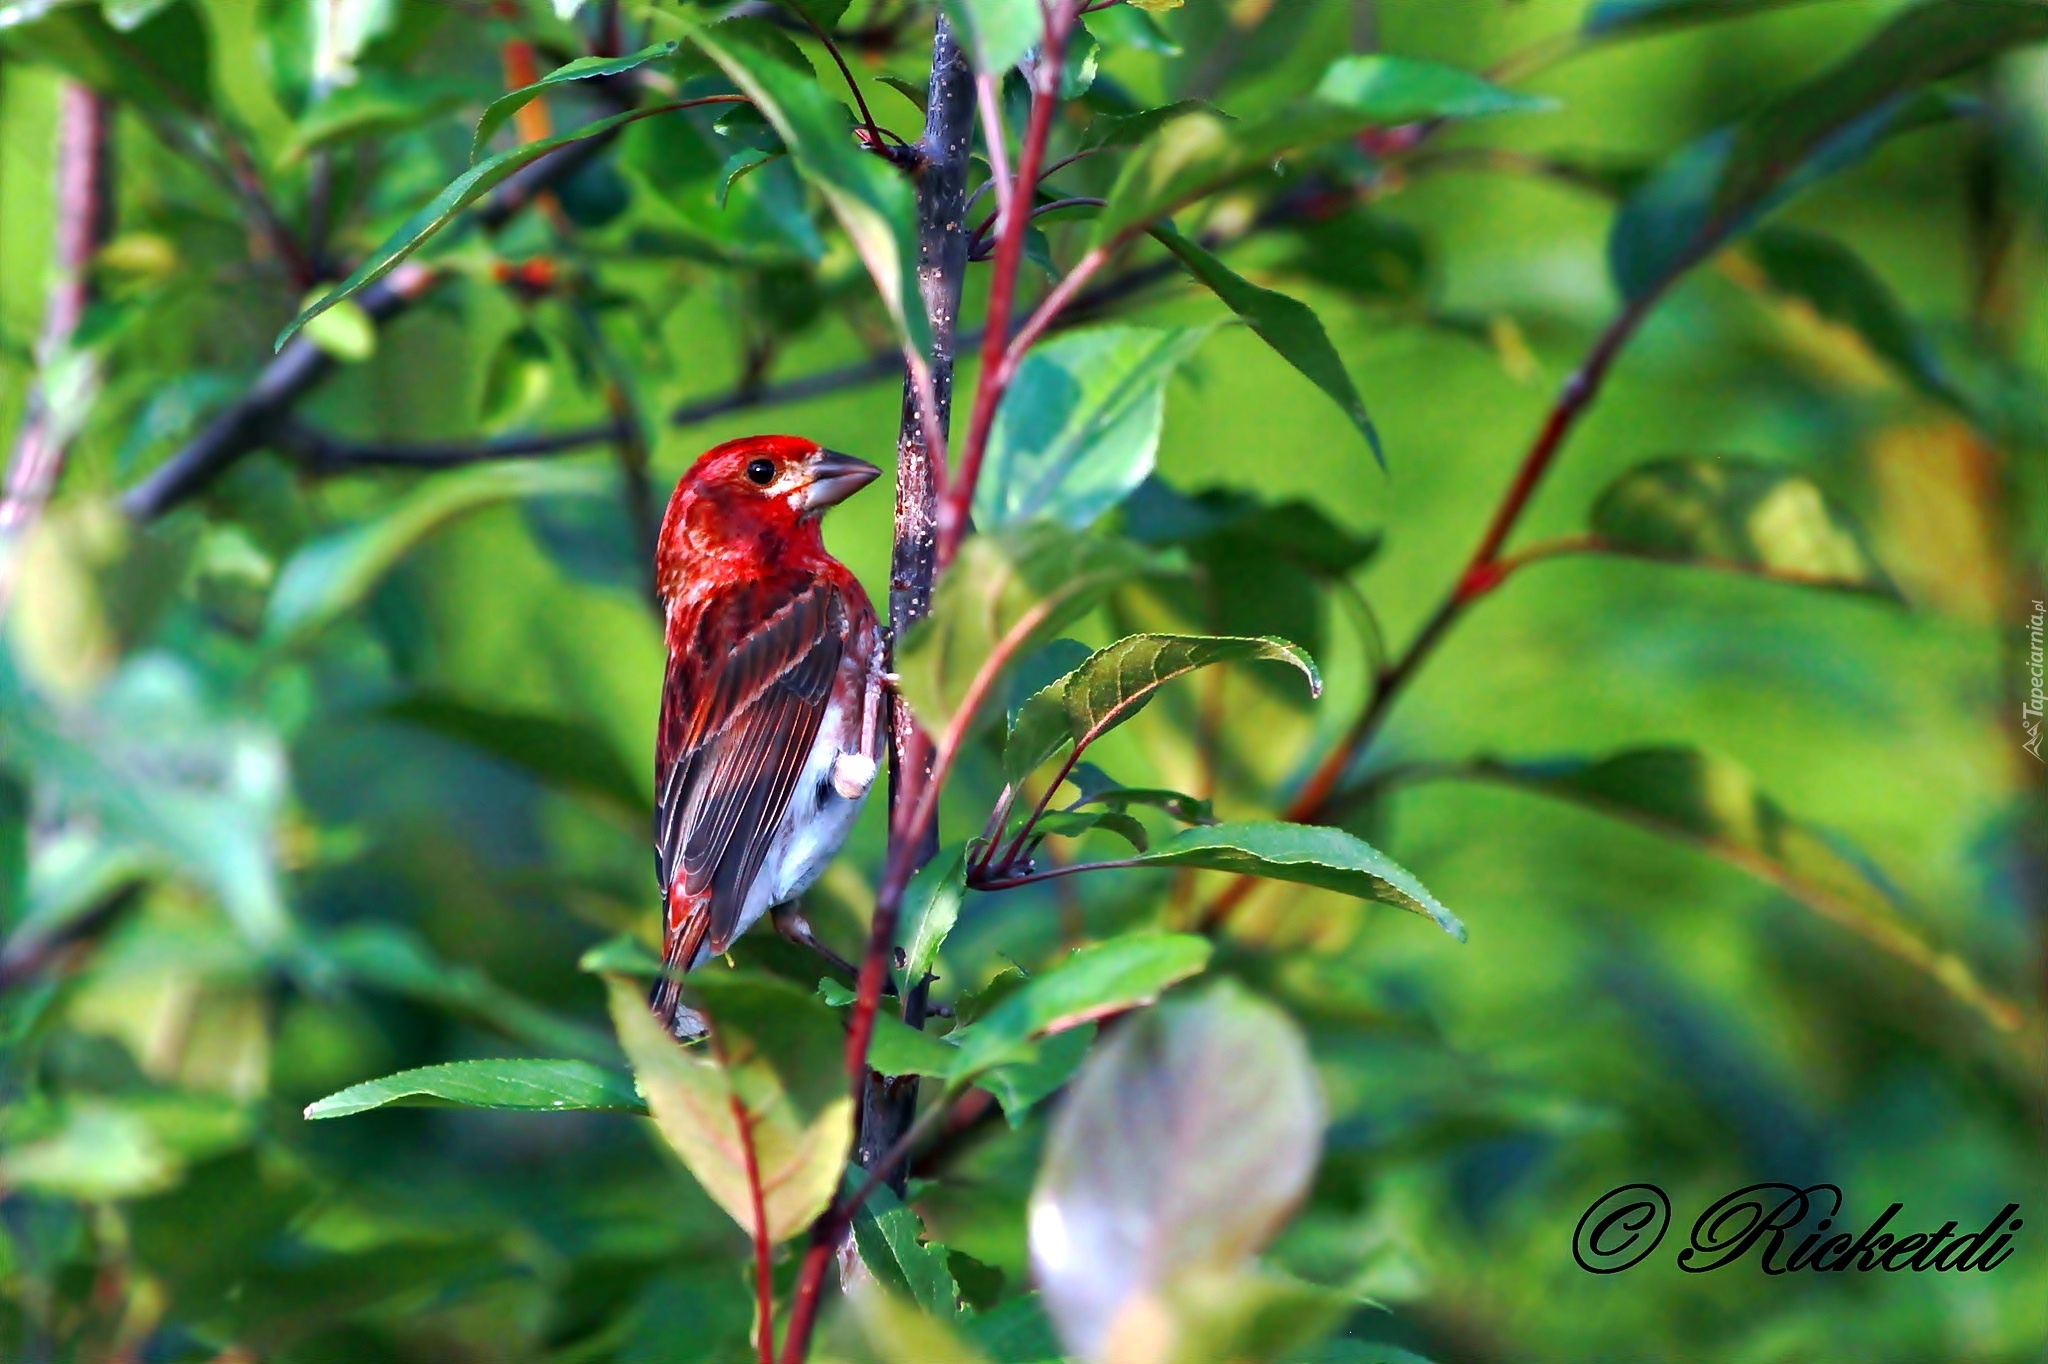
pixel 740 710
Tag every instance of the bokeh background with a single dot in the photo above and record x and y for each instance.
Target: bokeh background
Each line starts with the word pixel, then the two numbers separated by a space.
pixel 1627 1008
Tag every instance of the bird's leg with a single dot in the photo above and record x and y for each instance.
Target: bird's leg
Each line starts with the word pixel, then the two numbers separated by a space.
pixel 791 924
pixel 853 773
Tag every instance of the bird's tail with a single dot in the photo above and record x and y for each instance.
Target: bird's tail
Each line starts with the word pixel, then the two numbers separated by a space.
pixel 666 999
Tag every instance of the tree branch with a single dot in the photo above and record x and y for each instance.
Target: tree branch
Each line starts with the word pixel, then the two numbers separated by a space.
pixel 888 1107
pixel 82 218
pixel 244 426
pixel 326 454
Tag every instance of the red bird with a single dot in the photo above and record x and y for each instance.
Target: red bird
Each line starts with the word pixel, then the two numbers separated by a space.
pixel 770 731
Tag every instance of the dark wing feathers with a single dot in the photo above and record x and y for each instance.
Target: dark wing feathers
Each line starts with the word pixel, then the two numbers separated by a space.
pixel 741 710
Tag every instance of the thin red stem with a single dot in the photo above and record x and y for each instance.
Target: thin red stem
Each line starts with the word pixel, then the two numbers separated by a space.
pixel 764 1253
pixel 1052 873
pixel 853 87
pixel 803 1317
pixel 988 391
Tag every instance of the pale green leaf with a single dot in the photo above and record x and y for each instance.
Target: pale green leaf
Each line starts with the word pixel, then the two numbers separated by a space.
pixel 775 1055
pixel 1185 1142
pixel 330 576
pixel 1079 427
pixel 532 1085
pixel 1117 682
pixel 505 106
pixel 1308 854
pixel 1288 325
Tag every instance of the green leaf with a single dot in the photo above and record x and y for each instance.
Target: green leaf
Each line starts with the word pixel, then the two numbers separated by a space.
pixel 895 1048
pixel 1076 823
pixel 1308 854
pixel 158 57
pixel 1129 130
pixel 1181 806
pixel 899 1333
pixel 914 91
pixel 1715 805
pixel 14 814
pixel 1037 579
pixel 1021 1086
pixel 1184 1144
pixel 461 192
pixel 1719 185
pixel 738 166
pixel 387 957
pixel 774 1055
pixel 891 1244
pixel 94 1151
pixel 824 13
pixel 505 106
pixel 623 955
pixel 1014 1331
pixel 174 789
pixel 372 107
pixel 870 199
pixel 345 332
pixel 542 1086
pixel 330 576
pixel 1129 26
pixel 931 906
pixel 567 755
pixel 1118 681
pixel 1396 90
pixel 1198 153
pixel 996 33
pixel 899 1049
pixel 1834 282
pixel 1739 514
pixel 1260 569
pixel 1288 325
pixel 1079 427
pixel 1096 981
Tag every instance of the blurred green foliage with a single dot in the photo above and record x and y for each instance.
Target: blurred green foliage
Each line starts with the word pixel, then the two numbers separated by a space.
pixel 338 769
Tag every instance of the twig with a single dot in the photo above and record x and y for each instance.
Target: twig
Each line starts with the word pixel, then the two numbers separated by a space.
pixel 82 212
pixel 954 510
pixel 1073 201
pixel 244 425
pixel 326 454
pixel 879 365
pixel 875 133
pixel 1011 882
pixel 764 1251
pixel 996 141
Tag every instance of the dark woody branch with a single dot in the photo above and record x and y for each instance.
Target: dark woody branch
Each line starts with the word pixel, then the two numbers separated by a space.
pixel 326 454
pixel 245 425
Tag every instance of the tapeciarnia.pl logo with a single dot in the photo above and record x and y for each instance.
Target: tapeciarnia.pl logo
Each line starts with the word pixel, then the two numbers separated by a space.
pixel 2030 709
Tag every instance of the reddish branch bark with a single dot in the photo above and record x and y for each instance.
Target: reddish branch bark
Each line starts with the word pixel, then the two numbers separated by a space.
pixel 82 217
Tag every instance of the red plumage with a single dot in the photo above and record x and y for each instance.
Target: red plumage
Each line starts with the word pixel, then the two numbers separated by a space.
pixel 769 735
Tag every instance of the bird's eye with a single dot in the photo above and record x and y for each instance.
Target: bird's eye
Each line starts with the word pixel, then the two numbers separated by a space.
pixel 761 471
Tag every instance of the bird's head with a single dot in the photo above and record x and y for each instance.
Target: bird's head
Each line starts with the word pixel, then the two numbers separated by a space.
pixel 778 474
pixel 758 496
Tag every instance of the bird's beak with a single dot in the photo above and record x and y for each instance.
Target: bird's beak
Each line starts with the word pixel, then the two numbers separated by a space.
pixel 834 478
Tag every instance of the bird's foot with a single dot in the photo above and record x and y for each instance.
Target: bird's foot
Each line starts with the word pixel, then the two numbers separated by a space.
pixel 791 924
